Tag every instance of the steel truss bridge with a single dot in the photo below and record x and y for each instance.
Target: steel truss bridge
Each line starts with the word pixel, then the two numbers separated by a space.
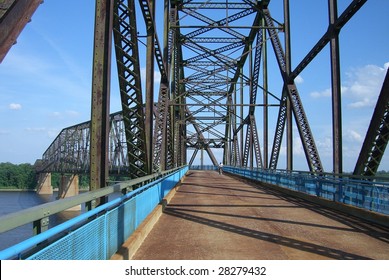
pixel 212 57
pixel 213 92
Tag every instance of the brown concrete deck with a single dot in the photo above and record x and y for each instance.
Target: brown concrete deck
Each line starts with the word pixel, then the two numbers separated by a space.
pixel 216 216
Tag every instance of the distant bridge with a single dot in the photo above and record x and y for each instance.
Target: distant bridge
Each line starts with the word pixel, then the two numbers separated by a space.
pixel 70 150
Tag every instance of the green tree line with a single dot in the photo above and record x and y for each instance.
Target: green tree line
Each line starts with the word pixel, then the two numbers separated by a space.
pixel 17 176
pixel 23 176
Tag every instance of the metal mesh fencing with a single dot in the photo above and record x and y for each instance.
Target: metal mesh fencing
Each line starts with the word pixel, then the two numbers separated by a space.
pixel 101 237
pixel 365 194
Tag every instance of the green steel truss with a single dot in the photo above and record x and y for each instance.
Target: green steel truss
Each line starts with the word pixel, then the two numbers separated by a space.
pixel 127 58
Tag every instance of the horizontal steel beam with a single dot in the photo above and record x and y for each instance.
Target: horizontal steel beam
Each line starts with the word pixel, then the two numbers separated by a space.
pixel 228 27
pixel 223 105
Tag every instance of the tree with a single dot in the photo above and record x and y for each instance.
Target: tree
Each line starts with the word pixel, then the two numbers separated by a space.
pixel 20 176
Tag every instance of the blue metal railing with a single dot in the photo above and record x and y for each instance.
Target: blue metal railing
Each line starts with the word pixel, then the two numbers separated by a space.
pixel 98 233
pixel 367 194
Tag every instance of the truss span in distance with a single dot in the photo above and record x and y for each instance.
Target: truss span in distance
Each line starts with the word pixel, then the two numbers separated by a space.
pixel 70 150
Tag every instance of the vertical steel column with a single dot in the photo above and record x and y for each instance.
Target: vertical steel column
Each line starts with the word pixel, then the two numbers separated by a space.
pixel 228 135
pixel 182 113
pixel 150 88
pixel 289 115
pixel 100 95
pixel 201 157
pixel 164 144
pixel 251 142
pixel 336 90
pixel 235 147
pixel 175 94
pixel 265 100
pixel 241 114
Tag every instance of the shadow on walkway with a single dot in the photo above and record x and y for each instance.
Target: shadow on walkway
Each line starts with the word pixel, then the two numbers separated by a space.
pixel 284 241
pixel 357 225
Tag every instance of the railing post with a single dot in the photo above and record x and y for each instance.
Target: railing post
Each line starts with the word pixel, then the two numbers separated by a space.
pixel 339 190
pixel 41 225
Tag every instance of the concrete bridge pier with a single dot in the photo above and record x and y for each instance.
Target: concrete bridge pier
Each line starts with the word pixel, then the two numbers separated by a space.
pixel 69 186
pixel 44 184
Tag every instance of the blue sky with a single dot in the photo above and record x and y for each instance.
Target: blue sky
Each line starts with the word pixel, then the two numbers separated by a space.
pixel 45 79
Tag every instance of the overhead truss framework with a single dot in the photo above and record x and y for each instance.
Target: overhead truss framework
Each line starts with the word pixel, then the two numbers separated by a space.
pixel 217 39
pixel 212 60
pixel 221 43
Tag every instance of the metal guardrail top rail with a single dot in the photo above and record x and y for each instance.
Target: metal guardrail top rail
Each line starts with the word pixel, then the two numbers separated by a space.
pixel 25 216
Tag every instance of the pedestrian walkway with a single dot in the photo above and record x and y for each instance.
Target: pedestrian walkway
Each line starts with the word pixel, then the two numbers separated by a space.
pixel 216 216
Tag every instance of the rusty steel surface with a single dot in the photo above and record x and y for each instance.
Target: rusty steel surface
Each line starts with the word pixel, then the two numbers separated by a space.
pixel 216 216
pixel 101 77
pixel 128 61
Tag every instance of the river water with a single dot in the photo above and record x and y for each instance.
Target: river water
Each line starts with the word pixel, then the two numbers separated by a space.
pixel 15 201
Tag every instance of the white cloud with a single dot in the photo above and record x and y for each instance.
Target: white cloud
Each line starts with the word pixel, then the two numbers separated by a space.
pixel 366 102
pixel 66 114
pixel 324 146
pixel 48 132
pixel 298 149
pixel 15 106
pixel 35 129
pixel 55 114
pixel 72 113
pixel 361 86
pixel 353 136
pixel 299 80
pixel 52 133
pixel 157 76
pixel 319 94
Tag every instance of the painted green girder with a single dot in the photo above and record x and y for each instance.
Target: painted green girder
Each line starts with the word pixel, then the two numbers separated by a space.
pixel 127 58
